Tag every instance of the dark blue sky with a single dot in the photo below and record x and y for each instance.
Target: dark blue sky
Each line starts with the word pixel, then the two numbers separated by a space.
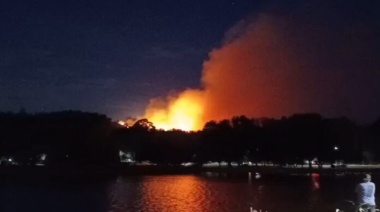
pixel 112 56
pixel 106 56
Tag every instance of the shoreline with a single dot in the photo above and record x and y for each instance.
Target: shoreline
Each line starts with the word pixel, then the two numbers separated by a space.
pixel 107 170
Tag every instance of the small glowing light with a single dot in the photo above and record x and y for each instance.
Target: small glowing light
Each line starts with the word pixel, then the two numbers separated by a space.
pixel 10 159
pixel 257 175
pixel 122 123
pixel 43 156
pixel 336 148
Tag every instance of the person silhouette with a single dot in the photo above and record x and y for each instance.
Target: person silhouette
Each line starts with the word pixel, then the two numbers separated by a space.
pixel 365 192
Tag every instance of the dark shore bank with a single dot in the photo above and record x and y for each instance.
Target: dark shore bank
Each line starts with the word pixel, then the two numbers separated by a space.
pixel 114 170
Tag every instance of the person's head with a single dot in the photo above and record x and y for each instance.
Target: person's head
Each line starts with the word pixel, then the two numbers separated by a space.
pixel 367 177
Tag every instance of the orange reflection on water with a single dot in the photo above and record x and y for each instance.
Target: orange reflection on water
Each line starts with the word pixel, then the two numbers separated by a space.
pixel 173 194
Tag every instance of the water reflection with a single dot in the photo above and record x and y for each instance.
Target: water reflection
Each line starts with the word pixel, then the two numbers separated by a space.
pixel 185 193
pixel 315 181
pixel 179 193
pixel 122 195
pixel 214 192
pixel 210 193
pixel 158 193
pixel 315 196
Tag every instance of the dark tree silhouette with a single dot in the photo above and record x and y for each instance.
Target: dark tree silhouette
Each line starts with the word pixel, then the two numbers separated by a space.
pixel 80 138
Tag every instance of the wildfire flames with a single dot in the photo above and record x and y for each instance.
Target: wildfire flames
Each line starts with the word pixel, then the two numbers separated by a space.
pixel 183 112
pixel 230 80
pixel 275 65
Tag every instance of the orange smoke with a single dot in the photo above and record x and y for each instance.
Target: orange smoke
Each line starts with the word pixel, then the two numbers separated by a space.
pixel 278 65
pixel 235 80
pixel 250 75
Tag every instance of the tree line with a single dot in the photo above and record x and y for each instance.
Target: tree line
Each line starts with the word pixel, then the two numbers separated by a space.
pixel 79 138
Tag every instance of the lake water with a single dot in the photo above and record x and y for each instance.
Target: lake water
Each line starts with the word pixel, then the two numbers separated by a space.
pixel 214 192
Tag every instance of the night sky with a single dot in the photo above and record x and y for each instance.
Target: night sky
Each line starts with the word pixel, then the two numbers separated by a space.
pixel 113 56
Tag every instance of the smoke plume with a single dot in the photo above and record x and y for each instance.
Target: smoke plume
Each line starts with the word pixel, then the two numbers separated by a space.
pixel 316 57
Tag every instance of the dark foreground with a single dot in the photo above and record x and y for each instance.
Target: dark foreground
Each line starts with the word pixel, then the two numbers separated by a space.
pixel 210 191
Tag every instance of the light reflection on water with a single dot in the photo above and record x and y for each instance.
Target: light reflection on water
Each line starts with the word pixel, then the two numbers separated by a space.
pixel 185 193
pixel 217 192
pixel 210 192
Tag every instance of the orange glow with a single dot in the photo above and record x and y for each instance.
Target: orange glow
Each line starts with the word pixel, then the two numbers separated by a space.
pixel 122 123
pixel 183 112
pixel 266 68
pixel 188 192
pixel 239 78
